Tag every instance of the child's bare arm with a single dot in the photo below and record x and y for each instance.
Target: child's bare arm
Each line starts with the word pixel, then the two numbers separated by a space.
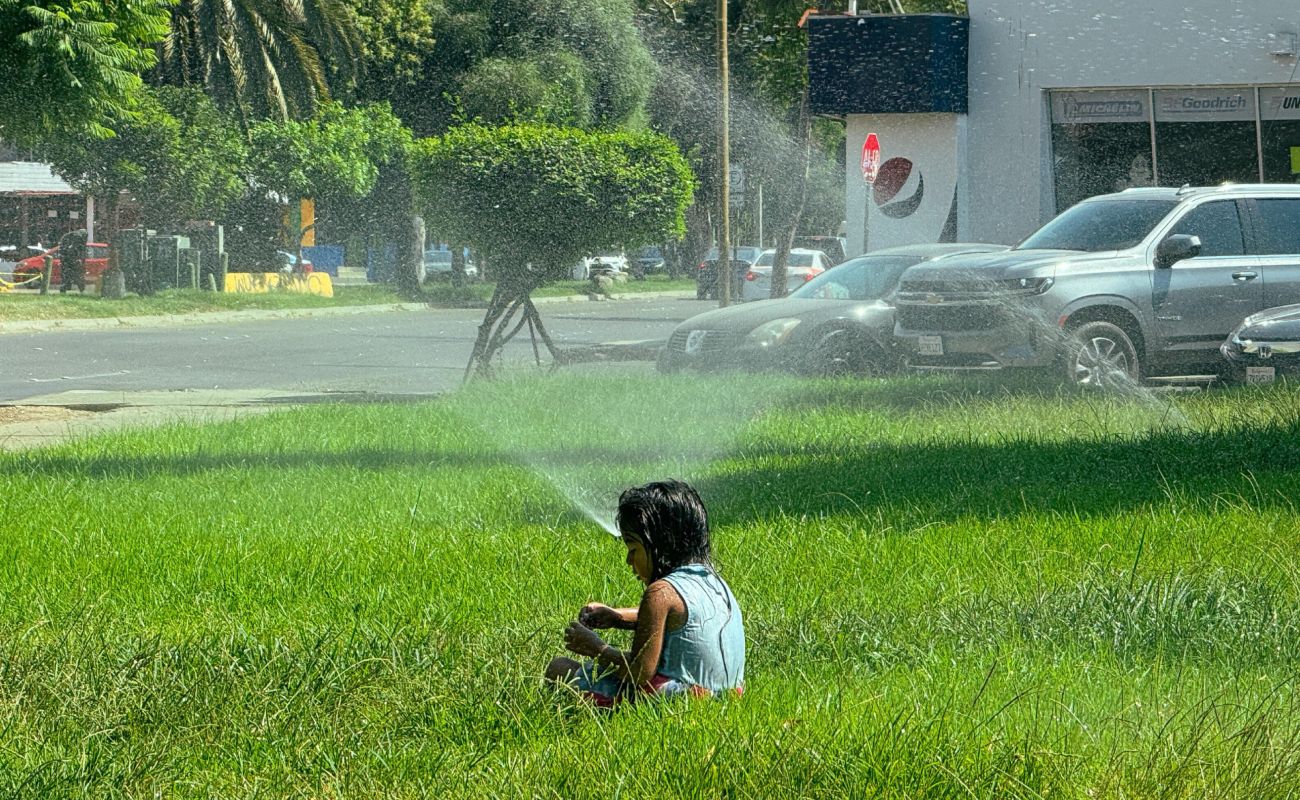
pixel 638 664
pixel 599 615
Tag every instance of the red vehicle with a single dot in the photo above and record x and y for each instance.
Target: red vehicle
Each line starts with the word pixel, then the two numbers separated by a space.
pixel 96 263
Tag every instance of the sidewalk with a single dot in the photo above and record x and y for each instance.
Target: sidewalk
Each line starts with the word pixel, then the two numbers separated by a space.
pixel 208 317
pixel 54 418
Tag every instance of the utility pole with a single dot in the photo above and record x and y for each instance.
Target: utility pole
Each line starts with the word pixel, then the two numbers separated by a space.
pixel 724 160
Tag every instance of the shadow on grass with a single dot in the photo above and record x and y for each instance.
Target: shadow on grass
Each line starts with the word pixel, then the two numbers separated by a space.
pixel 1255 465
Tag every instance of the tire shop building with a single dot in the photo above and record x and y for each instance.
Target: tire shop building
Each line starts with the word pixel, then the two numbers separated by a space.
pixel 982 128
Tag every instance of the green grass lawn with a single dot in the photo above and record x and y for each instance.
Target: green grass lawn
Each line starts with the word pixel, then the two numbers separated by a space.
pixel 28 306
pixel 475 294
pixel 950 589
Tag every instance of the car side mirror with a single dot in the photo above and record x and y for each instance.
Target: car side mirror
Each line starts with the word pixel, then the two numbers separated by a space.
pixel 1176 248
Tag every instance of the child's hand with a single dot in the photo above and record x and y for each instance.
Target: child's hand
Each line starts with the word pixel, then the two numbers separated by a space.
pixel 598 615
pixel 580 639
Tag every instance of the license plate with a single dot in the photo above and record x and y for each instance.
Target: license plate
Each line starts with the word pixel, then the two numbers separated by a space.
pixel 1260 374
pixel 929 345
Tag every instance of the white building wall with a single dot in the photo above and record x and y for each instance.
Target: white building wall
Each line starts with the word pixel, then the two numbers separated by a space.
pixel 1020 48
pixel 932 143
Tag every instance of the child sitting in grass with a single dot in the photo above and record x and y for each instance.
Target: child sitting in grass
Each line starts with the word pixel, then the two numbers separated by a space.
pixel 689 636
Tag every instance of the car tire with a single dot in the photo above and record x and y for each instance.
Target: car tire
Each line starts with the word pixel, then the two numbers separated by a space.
pixel 845 353
pixel 1100 355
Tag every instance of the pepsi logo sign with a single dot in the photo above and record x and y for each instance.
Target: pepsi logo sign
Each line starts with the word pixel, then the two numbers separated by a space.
pixel 899 188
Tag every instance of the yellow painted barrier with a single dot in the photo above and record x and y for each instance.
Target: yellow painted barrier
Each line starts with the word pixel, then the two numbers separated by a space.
pixel 35 280
pixel 262 282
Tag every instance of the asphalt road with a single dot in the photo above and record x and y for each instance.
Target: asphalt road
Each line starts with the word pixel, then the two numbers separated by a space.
pixel 384 352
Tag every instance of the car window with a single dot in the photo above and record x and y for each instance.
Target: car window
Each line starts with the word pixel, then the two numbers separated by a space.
pixel 765 260
pixel 1278 227
pixel 865 278
pixel 801 259
pixel 1218 226
pixel 1098 225
pixel 95 251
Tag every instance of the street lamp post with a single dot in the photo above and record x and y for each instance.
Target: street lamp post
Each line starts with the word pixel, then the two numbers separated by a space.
pixel 724 159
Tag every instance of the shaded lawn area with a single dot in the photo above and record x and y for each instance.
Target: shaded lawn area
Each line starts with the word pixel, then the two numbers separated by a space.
pixel 950 588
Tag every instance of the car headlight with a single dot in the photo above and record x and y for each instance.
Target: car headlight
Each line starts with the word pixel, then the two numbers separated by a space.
pixel 1029 285
pixel 770 334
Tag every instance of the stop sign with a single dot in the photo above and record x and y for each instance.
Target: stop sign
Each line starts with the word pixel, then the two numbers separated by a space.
pixel 870 158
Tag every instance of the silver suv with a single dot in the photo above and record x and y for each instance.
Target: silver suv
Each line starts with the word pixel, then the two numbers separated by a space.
pixel 1119 287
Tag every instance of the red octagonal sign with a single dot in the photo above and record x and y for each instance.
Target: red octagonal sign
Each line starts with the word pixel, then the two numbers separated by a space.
pixel 870 158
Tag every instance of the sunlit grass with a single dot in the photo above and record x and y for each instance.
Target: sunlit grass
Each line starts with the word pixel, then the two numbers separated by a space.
pixel 30 306
pixel 951 589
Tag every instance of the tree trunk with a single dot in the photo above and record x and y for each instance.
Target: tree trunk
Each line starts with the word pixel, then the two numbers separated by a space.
pixel 509 311
pixel 458 277
pixel 785 240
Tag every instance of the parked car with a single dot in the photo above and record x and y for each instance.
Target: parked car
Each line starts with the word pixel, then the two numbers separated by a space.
pixel 603 263
pixel 289 262
pixel 648 260
pixel 437 265
pixel 838 322
pixel 801 267
pixel 1264 346
pixel 1118 287
pixel 96 263
pixel 706 277
pixel 832 246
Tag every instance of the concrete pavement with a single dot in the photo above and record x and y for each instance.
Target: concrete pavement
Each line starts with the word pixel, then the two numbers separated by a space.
pixel 49 419
pixel 58 383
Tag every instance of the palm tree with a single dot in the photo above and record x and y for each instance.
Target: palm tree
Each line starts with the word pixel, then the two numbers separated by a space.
pixel 262 59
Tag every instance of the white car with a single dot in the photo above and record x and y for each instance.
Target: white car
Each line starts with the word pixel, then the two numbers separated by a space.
pixel 609 262
pixel 801 267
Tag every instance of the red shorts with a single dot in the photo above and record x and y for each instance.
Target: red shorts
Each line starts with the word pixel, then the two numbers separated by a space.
pixel 659 685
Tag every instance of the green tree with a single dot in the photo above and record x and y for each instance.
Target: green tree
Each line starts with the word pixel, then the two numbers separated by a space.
pixel 176 153
pixel 396 35
pixel 72 68
pixel 262 59
pixel 340 157
pixel 535 198
pixel 567 62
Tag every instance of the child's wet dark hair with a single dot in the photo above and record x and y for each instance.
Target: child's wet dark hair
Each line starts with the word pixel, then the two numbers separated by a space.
pixel 669 520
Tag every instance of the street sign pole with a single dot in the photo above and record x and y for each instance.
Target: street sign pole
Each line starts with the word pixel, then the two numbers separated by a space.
pixel 870 169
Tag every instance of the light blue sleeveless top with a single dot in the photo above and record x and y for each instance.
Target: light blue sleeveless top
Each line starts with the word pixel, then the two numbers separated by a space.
pixel 709 650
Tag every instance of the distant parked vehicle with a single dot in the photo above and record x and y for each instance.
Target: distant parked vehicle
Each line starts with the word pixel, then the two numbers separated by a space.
pixel 706 278
pixel 289 262
pixel 437 265
pixel 832 246
pixel 840 322
pixel 1264 346
pixel 96 263
pixel 801 267
pixel 609 262
pixel 647 260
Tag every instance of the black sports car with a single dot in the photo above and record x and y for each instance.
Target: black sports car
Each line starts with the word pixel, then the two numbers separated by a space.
pixel 839 322
pixel 1264 346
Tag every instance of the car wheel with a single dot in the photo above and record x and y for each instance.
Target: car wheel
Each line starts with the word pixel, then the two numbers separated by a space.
pixel 1101 355
pixel 843 353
